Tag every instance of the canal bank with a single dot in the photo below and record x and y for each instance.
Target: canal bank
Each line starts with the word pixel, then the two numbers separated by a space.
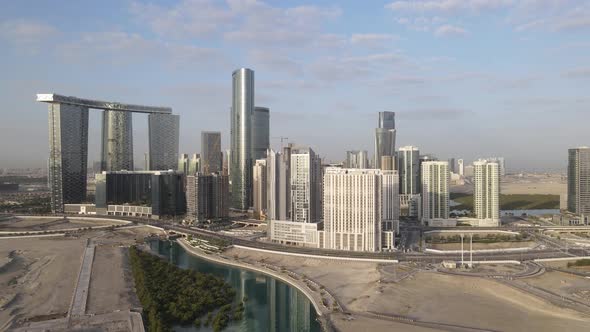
pixel 271 303
pixel 315 299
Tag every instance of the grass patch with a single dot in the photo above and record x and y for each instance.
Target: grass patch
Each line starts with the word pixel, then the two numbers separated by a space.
pixel 511 202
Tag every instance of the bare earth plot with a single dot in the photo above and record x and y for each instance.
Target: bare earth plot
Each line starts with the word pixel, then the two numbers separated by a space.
pixel 41 274
pixel 425 296
pixel 38 283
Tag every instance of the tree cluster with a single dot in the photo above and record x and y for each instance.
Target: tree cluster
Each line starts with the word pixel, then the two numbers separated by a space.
pixel 171 295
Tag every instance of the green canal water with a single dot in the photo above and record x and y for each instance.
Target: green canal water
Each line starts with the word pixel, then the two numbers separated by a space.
pixel 272 304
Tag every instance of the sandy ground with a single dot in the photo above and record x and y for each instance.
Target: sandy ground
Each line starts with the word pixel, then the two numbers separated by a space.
pixel 553 184
pixel 39 275
pixel 564 284
pixel 479 246
pixel 426 296
pixel 40 279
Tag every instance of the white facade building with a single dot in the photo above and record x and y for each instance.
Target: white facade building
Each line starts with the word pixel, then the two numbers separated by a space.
pixel 259 187
pixel 435 190
pixel 306 185
pixel 295 233
pixel 390 201
pixel 353 209
pixel 487 191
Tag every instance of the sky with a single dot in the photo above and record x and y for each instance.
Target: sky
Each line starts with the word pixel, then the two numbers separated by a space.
pixel 466 78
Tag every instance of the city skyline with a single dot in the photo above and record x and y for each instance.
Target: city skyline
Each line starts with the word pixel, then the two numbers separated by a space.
pixel 463 71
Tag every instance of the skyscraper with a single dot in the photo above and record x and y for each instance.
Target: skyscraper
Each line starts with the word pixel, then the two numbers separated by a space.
pixel 384 137
pixel 435 190
pixel 408 159
pixel 207 196
pixel 461 167
pixel 68 154
pixel 194 164
pixel 117 141
pixel 353 209
pixel 211 152
pixel 486 192
pixel 260 132
pixel 241 138
pixel 578 181
pixel 163 141
pixel 452 163
pixel 306 185
pixel 183 164
pixel 357 159
pixel 390 200
pixel 259 187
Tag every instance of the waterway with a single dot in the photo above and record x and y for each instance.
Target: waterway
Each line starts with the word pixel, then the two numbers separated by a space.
pixel 271 305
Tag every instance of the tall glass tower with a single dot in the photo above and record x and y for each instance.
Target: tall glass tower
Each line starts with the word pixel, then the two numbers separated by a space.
pixel 211 152
pixel 260 132
pixel 163 141
pixel 68 154
pixel 117 141
pixel 241 138
pixel 578 181
pixel 384 137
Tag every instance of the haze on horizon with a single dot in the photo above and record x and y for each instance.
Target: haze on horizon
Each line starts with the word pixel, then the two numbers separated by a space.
pixel 467 78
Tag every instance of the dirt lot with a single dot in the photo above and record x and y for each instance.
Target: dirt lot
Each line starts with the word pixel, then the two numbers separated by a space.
pixel 40 279
pixel 426 296
pixel 38 275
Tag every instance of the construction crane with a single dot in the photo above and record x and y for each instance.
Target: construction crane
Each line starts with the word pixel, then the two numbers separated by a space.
pixel 282 138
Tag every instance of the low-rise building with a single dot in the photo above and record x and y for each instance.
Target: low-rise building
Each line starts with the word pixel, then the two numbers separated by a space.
pixel 295 233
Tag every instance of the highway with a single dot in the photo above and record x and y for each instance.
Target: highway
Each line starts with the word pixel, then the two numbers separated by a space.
pixel 401 256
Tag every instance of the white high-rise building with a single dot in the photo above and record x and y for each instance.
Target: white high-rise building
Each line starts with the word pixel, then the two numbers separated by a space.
pixel 306 185
pixel 353 209
pixel 259 187
pixel 390 200
pixel 435 190
pixel 461 167
pixel 486 192
pixel 578 181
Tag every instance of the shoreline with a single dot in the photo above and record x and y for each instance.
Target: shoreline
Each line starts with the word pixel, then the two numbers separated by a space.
pixel 317 306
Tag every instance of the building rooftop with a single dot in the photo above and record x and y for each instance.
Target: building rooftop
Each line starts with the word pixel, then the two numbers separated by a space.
pixel 105 105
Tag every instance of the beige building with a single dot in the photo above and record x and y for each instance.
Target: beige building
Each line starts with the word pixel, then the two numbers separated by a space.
pixel 259 188
pixel 435 190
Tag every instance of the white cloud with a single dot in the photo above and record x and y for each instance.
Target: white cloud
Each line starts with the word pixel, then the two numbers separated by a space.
pixel 371 38
pixel 189 18
pixel 118 48
pixel 275 62
pixel 28 35
pixel 448 30
pixel 448 6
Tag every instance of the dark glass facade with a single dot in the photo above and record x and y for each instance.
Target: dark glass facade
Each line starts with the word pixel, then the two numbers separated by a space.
pixel 163 191
pixel 68 155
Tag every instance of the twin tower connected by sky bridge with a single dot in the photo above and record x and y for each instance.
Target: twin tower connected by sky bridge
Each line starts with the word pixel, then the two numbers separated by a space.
pixel 68 142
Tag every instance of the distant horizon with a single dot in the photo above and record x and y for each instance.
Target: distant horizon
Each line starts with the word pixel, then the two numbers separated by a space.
pixel 469 79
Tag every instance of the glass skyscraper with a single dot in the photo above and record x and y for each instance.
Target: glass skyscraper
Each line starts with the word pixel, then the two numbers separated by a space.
pixel 384 137
pixel 578 181
pixel 68 154
pixel 117 141
pixel 211 158
pixel 241 138
pixel 260 132
pixel 163 141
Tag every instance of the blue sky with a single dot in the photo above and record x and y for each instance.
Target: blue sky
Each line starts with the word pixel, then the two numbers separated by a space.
pixel 467 78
